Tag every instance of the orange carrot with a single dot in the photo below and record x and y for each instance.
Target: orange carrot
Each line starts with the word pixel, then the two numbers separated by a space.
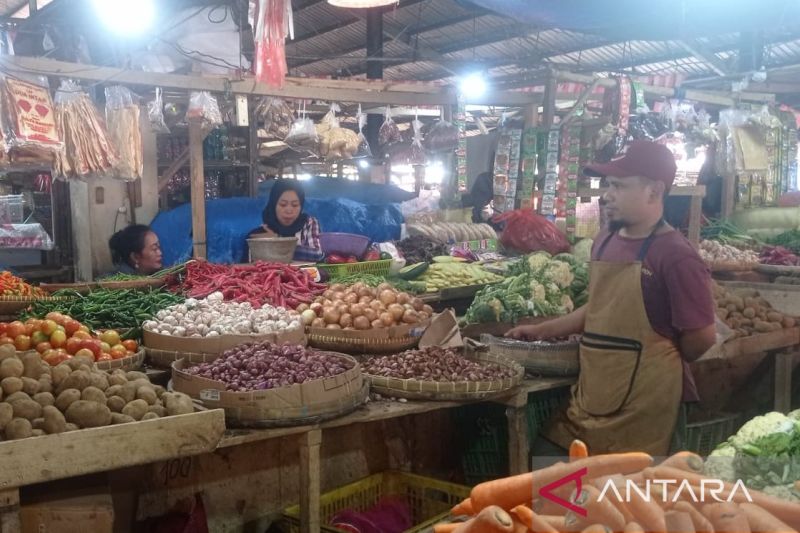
pixel 633 527
pixel 542 506
pixel 463 507
pixel 762 521
pixel 726 518
pixel 598 511
pixel 578 450
pixel 688 461
pixel 532 521
pixel 516 490
pixel 596 528
pixel 491 519
pixel 556 522
pixel 646 512
pixel 446 528
pixel 678 522
pixel 700 522
pixel 519 527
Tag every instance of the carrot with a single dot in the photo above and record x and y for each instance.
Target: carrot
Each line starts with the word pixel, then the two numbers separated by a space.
pixel 646 512
pixel 446 528
pixel 700 522
pixel 515 490
pixel 556 522
pixel 688 461
pixel 678 522
pixel 762 521
pixel 532 521
pixel 491 519
pixel 633 527
pixel 578 450
pixel 600 511
pixel 519 527
pixel 542 506
pixel 596 528
pixel 726 518
pixel 463 507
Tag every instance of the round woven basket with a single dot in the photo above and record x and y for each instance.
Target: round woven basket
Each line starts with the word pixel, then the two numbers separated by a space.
pixel 449 390
pixel 10 305
pixel 132 362
pixel 361 346
pixel 539 357
pixel 275 249
pixel 165 358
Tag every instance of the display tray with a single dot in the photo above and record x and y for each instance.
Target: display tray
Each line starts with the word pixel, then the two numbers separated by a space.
pixel 132 362
pixel 142 284
pixel 11 305
pixel 779 270
pixel 731 266
pixel 216 345
pixel 542 358
pixel 385 340
pixel 449 390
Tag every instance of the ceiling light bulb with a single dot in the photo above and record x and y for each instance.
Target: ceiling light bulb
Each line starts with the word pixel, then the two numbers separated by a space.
pixel 126 17
pixel 473 86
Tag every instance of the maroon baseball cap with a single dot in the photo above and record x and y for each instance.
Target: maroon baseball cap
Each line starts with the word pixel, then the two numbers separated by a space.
pixel 641 158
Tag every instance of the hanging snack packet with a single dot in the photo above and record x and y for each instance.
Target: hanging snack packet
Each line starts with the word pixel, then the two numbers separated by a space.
pixel 155 113
pixel 389 132
pixel 363 145
pixel 302 135
pixel 204 106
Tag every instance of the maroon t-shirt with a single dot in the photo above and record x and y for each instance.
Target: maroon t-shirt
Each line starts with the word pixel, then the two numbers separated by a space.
pixel 676 287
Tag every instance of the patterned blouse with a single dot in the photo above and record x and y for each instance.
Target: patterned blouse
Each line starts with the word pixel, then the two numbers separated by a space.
pixel 308 245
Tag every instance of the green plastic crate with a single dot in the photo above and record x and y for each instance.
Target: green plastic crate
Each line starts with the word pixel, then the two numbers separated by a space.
pixel 378 268
pixel 703 437
pixel 429 500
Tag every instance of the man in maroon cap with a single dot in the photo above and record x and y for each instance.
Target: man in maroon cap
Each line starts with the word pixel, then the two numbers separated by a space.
pixel 650 312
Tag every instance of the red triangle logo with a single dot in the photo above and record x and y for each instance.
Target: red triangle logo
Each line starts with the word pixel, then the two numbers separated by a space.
pixel 577 477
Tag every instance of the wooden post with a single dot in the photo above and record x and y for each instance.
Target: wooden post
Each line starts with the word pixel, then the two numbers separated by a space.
pixel 81 230
pixel 198 187
pixel 695 216
pixel 783 380
pixel 253 144
pixel 9 511
pixel 549 105
pixel 310 444
pixel 728 194
pixel 518 445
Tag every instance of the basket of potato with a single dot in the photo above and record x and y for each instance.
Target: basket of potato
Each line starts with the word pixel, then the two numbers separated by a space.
pixel 38 399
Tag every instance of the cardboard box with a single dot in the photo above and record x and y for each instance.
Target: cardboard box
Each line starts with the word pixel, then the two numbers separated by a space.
pixel 282 406
pixel 216 345
pixel 94 513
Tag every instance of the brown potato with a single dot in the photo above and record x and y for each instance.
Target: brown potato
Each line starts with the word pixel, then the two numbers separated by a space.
pixel 60 373
pixel 45 384
pixel 147 394
pixel 86 414
pixel 6 414
pixel 150 416
pixel 19 428
pixel 158 409
pixel 133 375
pixel 116 404
pixel 79 379
pixel 11 368
pixel 93 394
pixel 99 380
pixel 119 418
pixel 67 398
pixel 32 365
pixel 44 399
pixel 30 386
pixel 26 409
pixel 54 421
pixel 19 395
pixel 135 409
pixel 11 385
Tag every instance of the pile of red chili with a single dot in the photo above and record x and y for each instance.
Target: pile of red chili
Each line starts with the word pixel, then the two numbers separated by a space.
pixel 259 283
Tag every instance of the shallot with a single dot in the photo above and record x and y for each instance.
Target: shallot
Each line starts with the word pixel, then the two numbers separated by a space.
pixel 435 364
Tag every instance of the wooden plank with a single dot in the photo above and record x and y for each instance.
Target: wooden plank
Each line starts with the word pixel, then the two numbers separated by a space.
pixel 310 481
pixel 9 511
pixel 81 229
pixel 198 188
pixel 518 450
pixel 695 218
pixel 763 342
pixel 784 364
pixel 728 195
pixel 38 459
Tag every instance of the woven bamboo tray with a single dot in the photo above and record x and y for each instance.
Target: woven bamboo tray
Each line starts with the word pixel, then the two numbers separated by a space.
pixel 132 362
pixel 165 358
pixel 415 389
pixel 784 270
pixel 719 266
pixel 142 284
pixel 557 359
pixel 11 305
pixel 374 341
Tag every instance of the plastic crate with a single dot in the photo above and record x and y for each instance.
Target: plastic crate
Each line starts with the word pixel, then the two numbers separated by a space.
pixel 378 268
pixel 703 437
pixel 428 499
pixel 11 209
pixel 541 407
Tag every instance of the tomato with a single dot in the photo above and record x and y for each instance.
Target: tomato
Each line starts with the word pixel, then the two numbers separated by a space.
pixel 58 318
pixel 43 347
pixel 131 345
pixel 82 335
pixel 22 343
pixel 55 358
pixel 49 327
pixel 110 336
pixel 372 255
pixel 335 259
pixel 3 328
pixel 118 352
pixel 71 326
pixel 6 340
pixel 15 329
pixel 351 259
pixel 72 345
pixel 84 328
pixel 58 339
pixel 39 337
pixel 29 329
pixel 84 352
pixel 93 346
pixel 105 347
pixel 104 357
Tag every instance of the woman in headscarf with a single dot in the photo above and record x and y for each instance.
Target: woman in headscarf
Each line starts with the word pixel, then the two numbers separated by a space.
pixel 283 217
pixel 135 250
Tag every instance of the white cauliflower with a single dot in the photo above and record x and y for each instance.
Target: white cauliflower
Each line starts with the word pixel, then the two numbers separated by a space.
pixel 559 273
pixel 538 292
pixel 762 425
pixel 566 304
pixel 537 261
pixel 795 415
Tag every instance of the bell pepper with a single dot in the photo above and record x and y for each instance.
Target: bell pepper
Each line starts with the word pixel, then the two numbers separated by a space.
pixel 372 255
pixel 335 259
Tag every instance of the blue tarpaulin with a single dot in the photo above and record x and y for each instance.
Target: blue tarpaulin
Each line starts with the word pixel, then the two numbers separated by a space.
pixel 229 220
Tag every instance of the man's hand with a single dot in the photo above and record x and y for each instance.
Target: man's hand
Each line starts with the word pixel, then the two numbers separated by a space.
pixel 534 332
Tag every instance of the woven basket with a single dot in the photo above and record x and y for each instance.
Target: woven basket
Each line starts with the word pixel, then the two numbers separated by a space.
pixel 12 305
pixel 390 340
pixel 540 358
pixel 449 390
pixel 142 284
pixel 132 362
pixel 165 358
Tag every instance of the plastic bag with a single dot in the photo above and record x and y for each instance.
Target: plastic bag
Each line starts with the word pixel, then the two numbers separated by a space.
pixel 527 232
pixel 389 133
pixel 363 145
pixel 443 136
pixel 302 135
pixel 417 155
pixel 204 106
pixel 336 142
pixel 122 117
pixel 385 517
pixel 155 113
pixel 276 115
pixel 29 125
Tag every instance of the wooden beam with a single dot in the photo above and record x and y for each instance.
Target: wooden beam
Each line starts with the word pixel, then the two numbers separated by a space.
pixel 707 56
pixel 198 188
pixel 549 111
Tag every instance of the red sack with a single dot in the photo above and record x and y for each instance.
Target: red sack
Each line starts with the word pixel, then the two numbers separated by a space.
pixel 527 232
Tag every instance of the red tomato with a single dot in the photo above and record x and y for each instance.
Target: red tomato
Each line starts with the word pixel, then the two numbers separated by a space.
pixel 131 345
pixel 118 352
pixel 105 347
pixel 58 318
pixel 104 357
pixel 84 352
pixel 3 328
pixel 15 329
pixel 82 335
pixel 55 358
pixel 22 343
pixel 43 347
pixel 39 337
pixel 58 339
pixel 71 326
pixel 49 327
pixel 72 345
pixel 93 346
pixel 6 340
pixel 84 329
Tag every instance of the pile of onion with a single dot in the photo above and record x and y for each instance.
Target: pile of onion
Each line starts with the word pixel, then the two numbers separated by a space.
pixel 360 307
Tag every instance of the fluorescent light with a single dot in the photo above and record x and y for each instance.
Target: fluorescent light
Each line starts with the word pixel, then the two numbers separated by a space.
pixel 126 17
pixel 363 164
pixel 304 177
pixel 472 85
pixel 360 4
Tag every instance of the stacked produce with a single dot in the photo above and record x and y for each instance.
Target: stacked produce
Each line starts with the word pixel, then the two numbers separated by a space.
pixel 538 285
pixel 420 249
pixel 778 255
pixel 724 232
pixel 40 400
pixel 59 337
pixel 764 453
pixel 13 287
pixel 360 307
pixel 435 364
pixel 213 317
pixel 747 313
pixel 262 366
pixel 788 239
pixel 105 308
pixel 621 492
pixel 456 274
pixel 448 232
pixel 727 257
pixel 257 283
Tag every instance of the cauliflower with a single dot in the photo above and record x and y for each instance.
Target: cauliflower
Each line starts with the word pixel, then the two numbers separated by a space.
pixel 762 425
pixel 537 261
pixel 559 273
pixel 566 304
pixel 538 292
pixel 795 415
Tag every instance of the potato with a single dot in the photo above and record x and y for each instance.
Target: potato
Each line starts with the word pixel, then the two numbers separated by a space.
pixel 119 418
pixel 159 390
pixel 75 363
pixel 177 403
pixel 79 379
pixel 30 386
pixel 19 428
pixel 7 351
pixel 774 316
pixel 115 403
pixel 67 398
pixel 141 383
pixel 11 367
pixel 54 421
pixel 38 423
pixel 745 322
pixel 93 394
pixel 788 322
pixel 32 365
pixel 749 312
pixel 158 409
pixel 71 427
pixel 133 375
pixel 45 385
pixel 731 308
pixel 99 380
pixel 722 314
pixel 116 380
pixel 147 394
pixel 128 392
pixel 60 373
pixel 38 433
pixel 11 385
pixel 27 409
pixel 46 370
pixel 87 414
pixel 135 409
pixel 11 398
pixel 762 327
pixel 6 414
pixel 44 399
pixel 150 416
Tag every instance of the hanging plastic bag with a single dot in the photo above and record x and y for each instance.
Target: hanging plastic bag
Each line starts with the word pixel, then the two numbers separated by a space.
pixel 276 115
pixel 527 232
pixel 302 135
pixel 442 137
pixel 204 106
pixel 363 145
pixel 155 113
pixel 122 118
pixel 389 133
pixel 417 155
pixel 29 128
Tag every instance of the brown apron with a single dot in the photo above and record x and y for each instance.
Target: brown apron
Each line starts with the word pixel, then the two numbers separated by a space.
pixel 629 389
